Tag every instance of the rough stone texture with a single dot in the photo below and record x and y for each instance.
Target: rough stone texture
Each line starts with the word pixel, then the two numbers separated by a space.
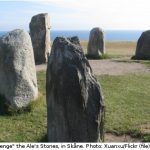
pixel 18 82
pixel 143 46
pixel 96 45
pixel 74 98
pixel 40 36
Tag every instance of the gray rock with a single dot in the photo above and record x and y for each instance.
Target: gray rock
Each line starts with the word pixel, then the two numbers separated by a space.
pixel 96 44
pixel 74 98
pixel 143 46
pixel 18 82
pixel 40 36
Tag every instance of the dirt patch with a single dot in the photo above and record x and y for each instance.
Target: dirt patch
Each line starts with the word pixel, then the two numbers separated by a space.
pixel 145 128
pixel 123 138
pixel 110 67
pixel 41 67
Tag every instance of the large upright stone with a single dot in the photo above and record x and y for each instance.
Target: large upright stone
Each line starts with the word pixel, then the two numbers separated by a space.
pixel 40 36
pixel 96 44
pixel 143 46
pixel 74 98
pixel 18 82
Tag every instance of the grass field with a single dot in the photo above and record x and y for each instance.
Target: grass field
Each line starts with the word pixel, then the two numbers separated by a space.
pixel 29 126
pixel 116 49
pixel 127 110
pixel 127 99
pixel 127 104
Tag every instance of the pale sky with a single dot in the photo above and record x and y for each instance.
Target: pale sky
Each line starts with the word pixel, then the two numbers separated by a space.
pixel 78 14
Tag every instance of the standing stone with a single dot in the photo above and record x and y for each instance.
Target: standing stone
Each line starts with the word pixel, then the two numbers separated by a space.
pixel 74 97
pixel 18 82
pixel 96 45
pixel 143 46
pixel 40 36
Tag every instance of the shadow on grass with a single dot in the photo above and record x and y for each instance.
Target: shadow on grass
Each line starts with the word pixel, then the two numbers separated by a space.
pixel 7 110
pixel 3 106
pixel 140 58
pixel 44 138
pixel 96 57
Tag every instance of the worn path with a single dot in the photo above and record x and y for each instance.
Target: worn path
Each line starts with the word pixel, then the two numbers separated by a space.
pixel 111 67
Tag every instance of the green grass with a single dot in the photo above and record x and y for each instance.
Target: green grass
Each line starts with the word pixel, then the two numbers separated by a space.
pixel 27 126
pixel 127 101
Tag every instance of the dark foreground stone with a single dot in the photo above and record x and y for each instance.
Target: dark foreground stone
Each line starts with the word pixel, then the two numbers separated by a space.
pixel 74 98
pixel 143 47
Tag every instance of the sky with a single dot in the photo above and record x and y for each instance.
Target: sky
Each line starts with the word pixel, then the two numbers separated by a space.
pixel 77 14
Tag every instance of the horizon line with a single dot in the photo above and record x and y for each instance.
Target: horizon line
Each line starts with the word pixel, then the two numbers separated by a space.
pixel 82 29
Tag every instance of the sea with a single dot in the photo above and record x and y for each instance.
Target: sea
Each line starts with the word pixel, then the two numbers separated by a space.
pixel 110 35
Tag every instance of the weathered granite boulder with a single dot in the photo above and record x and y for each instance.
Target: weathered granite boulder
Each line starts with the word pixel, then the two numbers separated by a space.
pixel 96 44
pixel 74 98
pixel 143 46
pixel 18 82
pixel 40 36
